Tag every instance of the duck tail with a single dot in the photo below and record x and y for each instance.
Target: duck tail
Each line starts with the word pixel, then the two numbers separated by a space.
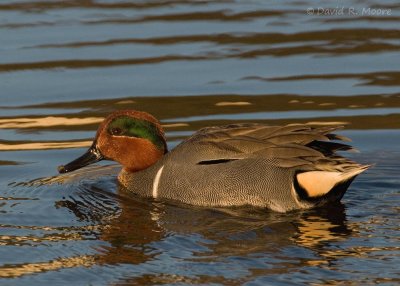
pixel 320 184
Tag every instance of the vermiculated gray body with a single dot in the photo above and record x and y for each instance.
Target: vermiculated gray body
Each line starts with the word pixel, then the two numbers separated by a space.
pixel 245 164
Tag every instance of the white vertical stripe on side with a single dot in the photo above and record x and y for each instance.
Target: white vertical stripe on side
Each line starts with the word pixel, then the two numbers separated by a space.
pixel 156 182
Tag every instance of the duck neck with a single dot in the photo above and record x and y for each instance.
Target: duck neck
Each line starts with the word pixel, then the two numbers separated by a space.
pixel 145 155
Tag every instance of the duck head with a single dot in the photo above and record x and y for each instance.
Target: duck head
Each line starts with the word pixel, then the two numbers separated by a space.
pixel 132 138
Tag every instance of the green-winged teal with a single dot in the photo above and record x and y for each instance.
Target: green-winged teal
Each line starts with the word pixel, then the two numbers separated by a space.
pixel 278 167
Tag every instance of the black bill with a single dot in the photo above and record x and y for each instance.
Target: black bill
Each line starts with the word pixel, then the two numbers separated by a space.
pixel 91 156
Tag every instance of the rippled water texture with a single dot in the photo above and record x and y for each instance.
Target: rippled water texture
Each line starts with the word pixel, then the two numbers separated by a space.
pixel 64 65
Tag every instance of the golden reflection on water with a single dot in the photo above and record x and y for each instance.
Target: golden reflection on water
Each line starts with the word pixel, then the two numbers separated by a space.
pixel 44 145
pixel 53 265
pixel 51 121
pixel 232 103
pixel 47 121
pixel 225 235
pixel 316 230
pixel 27 240
pixel 179 108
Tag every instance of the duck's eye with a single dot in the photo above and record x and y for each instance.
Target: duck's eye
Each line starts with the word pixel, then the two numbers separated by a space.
pixel 116 131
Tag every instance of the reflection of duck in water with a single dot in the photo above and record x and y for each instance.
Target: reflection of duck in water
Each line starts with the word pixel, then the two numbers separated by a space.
pixel 148 237
pixel 278 167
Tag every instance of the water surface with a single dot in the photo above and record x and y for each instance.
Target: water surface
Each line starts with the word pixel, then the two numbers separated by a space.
pixel 66 64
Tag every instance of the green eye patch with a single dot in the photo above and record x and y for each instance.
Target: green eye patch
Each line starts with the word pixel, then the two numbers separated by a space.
pixel 134 127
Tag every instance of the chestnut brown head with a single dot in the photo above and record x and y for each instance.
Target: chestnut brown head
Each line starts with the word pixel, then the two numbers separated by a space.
pixel 132 138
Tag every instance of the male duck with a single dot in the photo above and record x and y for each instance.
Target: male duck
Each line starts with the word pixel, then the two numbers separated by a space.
pixel 278 167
